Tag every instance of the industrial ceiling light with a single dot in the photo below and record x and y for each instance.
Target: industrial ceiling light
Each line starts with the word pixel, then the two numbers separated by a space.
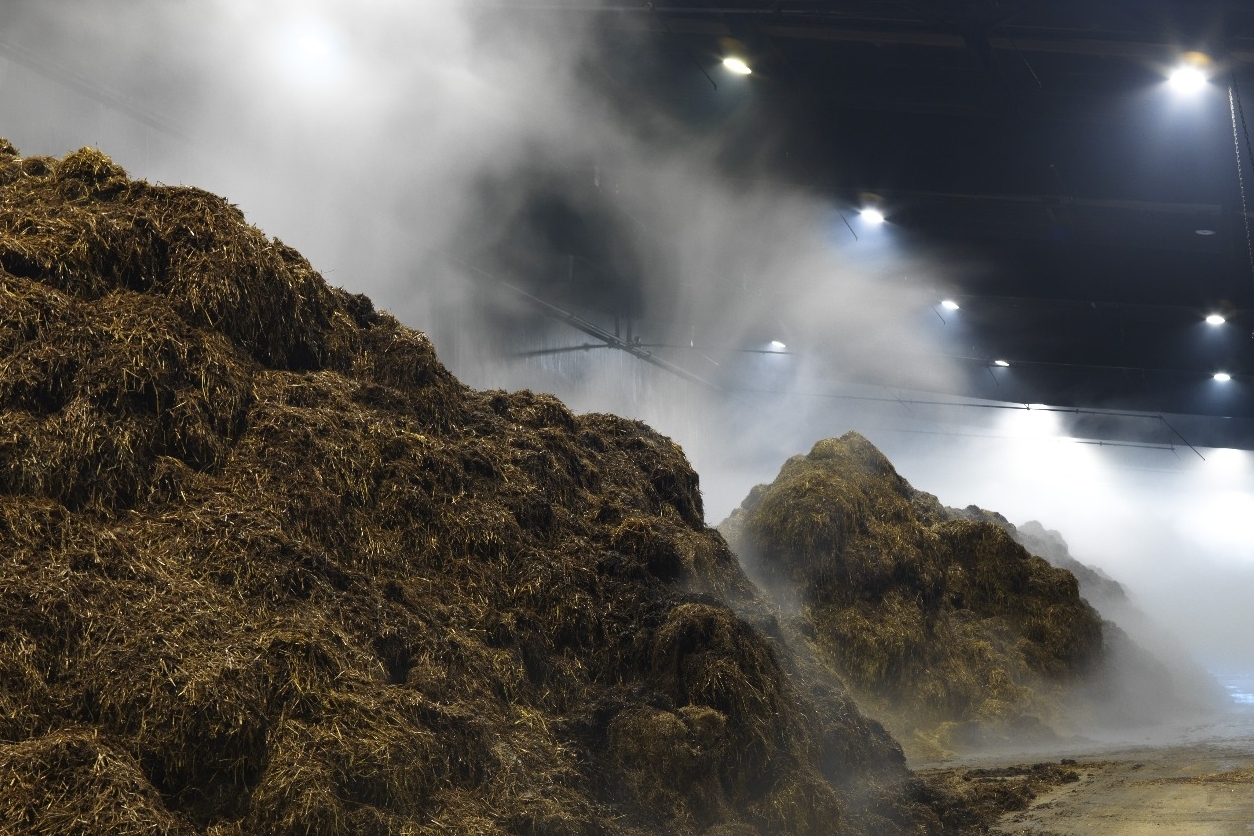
pixel 1223 377
pixel 949 305
pixel 1215 319
pixel 872 216
pixel 1190 75
pixel 736 65
pixel 776 345
pixel 1187 79
pixel 1001 363
pixel 1204 231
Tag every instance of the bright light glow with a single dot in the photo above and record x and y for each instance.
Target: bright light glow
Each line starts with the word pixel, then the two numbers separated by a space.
pixel 1038 406
pixel 1187 79
pixel 1031 423
pixel 312 46
pixel 310 53
pixel 1230 462
pixel 872 216
pixel 736 65
pixel 1204 231
pixel 1222 523
pixel 776 345
pixel 1223 377
pixel 1215 319
pixel 1001 363
pixel 949 305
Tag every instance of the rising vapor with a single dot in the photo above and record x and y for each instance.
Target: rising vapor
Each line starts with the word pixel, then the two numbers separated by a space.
pixel 424 153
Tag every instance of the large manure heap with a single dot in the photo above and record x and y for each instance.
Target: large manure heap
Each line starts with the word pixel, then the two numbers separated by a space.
pixel 266 567
pixel 940 623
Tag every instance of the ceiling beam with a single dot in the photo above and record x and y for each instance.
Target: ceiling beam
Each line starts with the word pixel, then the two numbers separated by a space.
pixel 693 22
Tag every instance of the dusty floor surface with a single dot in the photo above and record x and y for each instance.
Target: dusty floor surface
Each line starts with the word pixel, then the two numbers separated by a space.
pixel 1201 785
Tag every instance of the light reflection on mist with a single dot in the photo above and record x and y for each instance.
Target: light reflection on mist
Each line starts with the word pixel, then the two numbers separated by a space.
pixel 380 138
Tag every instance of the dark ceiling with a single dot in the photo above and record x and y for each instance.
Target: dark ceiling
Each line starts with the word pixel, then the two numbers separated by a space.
pixel 1103 212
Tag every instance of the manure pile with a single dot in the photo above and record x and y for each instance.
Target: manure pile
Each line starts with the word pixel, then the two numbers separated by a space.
pixel 941 624
pixel 266 567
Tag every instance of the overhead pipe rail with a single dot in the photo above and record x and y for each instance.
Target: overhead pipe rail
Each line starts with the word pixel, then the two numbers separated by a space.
pixel 593 330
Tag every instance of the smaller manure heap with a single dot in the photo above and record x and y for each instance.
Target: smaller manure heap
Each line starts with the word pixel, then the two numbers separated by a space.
pixel 1136 688
pixel 1099 589
pixel 266 567
pixel 941 625
pixel 1140 687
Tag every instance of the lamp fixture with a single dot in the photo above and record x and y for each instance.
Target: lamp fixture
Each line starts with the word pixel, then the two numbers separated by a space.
pixel 1187 78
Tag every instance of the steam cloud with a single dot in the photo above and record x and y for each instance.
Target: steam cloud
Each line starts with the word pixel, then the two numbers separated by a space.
pixel 406 149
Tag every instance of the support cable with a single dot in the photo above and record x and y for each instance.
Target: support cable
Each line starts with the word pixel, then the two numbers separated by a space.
pixel 1182 438
pixel 1236 147
pixel 1022 57
pixel 846 220
pixel 1249 151
pixel 662 21
pixel 90 88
